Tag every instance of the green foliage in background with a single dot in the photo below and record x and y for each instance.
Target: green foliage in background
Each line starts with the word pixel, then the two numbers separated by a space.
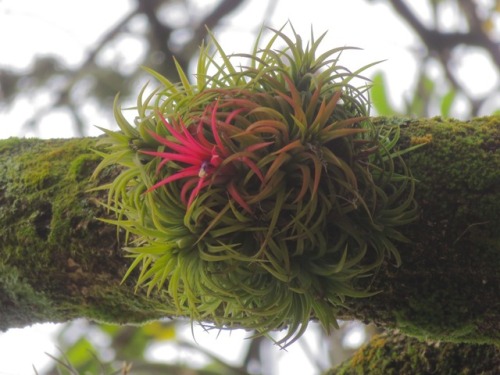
pixel 101 349
pixel 424 94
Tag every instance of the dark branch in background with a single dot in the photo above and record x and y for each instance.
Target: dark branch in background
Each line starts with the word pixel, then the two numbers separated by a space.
pixel 210 21
pixel 159 35
pixel 437 41
pixel 253 355
pixel 106 38
pixel 225 7
pixel 480 36
pixel 163 33
pixel 440 44
pixel 233 370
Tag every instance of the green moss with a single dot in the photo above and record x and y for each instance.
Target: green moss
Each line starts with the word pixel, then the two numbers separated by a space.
pixel 448 285
pixel 462 214
pixel 395 354
pixel 455 311
pixel 18 300
pixel 466 155
pixel 52 253
pixel 109 301
pixel 7 145
pixel 82 166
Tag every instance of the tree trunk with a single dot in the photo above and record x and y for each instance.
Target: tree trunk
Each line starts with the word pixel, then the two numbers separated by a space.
pixel 58 262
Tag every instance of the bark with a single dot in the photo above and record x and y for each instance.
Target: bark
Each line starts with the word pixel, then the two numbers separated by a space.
pixel 58 262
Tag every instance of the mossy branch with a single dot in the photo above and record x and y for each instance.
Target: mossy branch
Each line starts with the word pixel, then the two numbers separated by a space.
pixel 448 285
pixel 58 262
pixel 394 353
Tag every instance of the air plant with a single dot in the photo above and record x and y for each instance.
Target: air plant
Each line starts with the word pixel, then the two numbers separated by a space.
pixel 260 195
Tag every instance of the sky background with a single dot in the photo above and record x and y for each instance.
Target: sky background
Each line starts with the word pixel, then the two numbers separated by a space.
pixel 70 28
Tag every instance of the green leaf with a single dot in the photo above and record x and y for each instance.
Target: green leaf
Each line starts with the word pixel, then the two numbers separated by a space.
pixel 447 102
pixel 80 354
pixel 379 96
pixel 422 96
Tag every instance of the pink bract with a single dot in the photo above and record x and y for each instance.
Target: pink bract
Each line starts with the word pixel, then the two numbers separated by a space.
pixel 204 162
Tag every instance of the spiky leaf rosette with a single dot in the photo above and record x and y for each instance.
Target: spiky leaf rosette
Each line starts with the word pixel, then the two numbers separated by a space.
pixel 259 196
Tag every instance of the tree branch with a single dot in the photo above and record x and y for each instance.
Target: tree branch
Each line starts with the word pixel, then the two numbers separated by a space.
pixel 57 262
pixel 393 353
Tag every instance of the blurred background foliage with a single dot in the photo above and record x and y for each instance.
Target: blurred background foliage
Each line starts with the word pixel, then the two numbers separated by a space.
pixel 443 49
pixel 165 347
pixel 176 28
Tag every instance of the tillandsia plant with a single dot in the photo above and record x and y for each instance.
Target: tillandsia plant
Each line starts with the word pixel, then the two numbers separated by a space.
pixel 259 195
